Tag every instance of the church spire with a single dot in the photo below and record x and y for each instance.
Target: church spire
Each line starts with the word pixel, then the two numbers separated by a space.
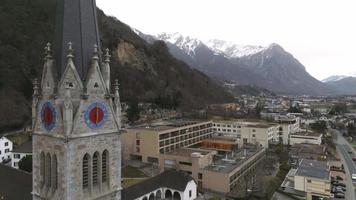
pixel 76 23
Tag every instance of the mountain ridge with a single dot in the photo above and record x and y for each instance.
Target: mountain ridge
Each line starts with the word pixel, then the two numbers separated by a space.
pixel 270 67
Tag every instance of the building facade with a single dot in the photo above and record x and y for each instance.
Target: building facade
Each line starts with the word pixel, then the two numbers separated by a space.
pixel 147 143
pixel 20 152
pixel 76 123
pixel 5 149
pixel 261 134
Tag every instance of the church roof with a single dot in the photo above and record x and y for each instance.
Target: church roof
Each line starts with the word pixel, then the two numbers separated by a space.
pixel 76 23
pixel 15 184
pixel 169 179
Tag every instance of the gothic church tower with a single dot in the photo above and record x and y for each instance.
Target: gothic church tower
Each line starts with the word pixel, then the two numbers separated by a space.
pixel 76 115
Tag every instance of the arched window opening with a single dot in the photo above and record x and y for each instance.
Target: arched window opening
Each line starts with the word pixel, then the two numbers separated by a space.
pixel 168 194
pixel 42 169
pixel 105 166
pixel 48 170
pixel 54 173
pixel 151 197
pixel 85 171
pixel 158 194
pixel 176 196
pixel 95 168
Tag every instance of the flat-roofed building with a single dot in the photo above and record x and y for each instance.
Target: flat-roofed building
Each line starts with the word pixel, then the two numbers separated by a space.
pixel 234 173
pixel 313 177
pixel 188 160
pixel 262 134
pixel 289 124
pixel 228 128
pixel 147 143
pixel 307 137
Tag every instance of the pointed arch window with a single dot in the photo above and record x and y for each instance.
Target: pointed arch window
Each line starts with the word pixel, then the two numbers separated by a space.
pixel 42 169
pixel 85 171
pixel 95 168
pixel 48 170
pixel 54 173
pixel 105 167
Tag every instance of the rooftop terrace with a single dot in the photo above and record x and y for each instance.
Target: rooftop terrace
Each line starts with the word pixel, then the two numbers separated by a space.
pixel 229 163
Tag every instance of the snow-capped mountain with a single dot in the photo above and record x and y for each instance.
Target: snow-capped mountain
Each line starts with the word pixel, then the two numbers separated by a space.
pixel 185 43
pixel 334 78
pixel 270 67
pixel 232 50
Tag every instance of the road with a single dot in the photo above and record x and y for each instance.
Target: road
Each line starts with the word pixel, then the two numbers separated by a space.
pixel 344 147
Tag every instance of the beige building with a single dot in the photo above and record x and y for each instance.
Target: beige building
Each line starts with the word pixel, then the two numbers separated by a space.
pixel 313 177
pixel 233 174
pixel 288 125
pixel 261 134
pixel 146 143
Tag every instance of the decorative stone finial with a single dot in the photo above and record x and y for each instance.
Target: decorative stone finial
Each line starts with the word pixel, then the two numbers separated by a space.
pixel 48 53
pixel 70 50
pixel 116 88
pixel 107 56
pixel 116 84
pixel 35 88
pixel 96 53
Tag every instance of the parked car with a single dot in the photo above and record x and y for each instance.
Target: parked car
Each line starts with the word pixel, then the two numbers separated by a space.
pixel 339 184
pixel 354 158
pixel 340 188
pixel 339 177
pixel 353 176
pixel 349 151
pixel 339 195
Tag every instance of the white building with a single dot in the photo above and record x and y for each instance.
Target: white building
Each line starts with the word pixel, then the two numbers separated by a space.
pixel 228 128
pixel 262 134
pixel 20 152
pixel 5 149
pixel 170 184
pixel 288 125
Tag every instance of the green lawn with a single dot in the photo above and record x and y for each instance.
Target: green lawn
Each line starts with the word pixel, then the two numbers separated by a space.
pixel 132 172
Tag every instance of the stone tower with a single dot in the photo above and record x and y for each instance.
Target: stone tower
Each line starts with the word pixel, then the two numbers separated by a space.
pixel 76 115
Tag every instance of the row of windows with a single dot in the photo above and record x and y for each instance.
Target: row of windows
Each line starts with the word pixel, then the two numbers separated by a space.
pixel 183 131
pixel 184 143
pixel 237 175
pixel 48 171
pixel 226 130
pixel 229 126
pixel 95 169
pixel 182 138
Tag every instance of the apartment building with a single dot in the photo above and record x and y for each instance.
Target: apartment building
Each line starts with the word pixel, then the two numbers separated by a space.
pixel 234 173
pixel 288 125
pixel 261 134
pixel 228 128
pixel 5 149
pixel 313 177
pixel 147 143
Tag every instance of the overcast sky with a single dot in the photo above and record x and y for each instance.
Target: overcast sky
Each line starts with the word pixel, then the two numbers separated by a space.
pixel 321 34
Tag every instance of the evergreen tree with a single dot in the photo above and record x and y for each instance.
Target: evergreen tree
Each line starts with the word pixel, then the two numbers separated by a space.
pixel 26 163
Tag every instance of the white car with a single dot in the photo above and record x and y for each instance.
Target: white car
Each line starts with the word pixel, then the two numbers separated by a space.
pixel 353 176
